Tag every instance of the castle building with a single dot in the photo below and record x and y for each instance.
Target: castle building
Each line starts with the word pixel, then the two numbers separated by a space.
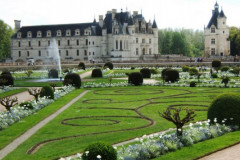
pixel 216 34
pixel 119 36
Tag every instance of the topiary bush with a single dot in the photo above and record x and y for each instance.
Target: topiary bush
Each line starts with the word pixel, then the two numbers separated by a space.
pixel 81 65
pixel 216 64
pixel 185 68
pixel 132 68
pixel 193 71
pixel 96 73
pixel 225 68
pixel 170 75
pixel 226 109
pixel 235 71
pixel 108 65
pixel 47 91
pixel 53 73
pixel 6 72
pixel 107 152
pixel 6 80
pixel 146 73
pixel 193 84
pixel 135 78
pixel 26 105
pixel 164 71
pixel 214 75
pixel 72 79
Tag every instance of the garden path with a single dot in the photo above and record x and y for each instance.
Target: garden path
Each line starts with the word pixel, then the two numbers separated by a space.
pixel 14 144
pixel 231 153
pixel 86 74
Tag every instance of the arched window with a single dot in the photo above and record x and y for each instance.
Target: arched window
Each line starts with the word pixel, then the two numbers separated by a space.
pixel 121 45
pixel 116 44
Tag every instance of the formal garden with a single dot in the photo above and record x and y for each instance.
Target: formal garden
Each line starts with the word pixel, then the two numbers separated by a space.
pixel 166 112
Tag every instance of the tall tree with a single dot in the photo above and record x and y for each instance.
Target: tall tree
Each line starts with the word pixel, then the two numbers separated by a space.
pixel 5 36
pixel 235 40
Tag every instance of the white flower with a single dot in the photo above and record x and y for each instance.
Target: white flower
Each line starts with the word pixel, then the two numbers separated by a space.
pixel 62 158
pixel 87 152
pixel 99 157
pixel 115 147
pixel 190 124
pixel 215 120
pixel 231 119
pixel 179 129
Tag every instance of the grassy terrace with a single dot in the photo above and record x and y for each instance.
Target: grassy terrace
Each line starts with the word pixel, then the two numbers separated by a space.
pixel 112 115
pixel 12 92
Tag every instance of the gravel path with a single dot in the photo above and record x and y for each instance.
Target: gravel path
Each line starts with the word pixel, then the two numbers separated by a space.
pixel 14 144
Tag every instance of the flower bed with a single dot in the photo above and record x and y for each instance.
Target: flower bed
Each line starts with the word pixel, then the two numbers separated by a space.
pixel 17 113
pixel 6 89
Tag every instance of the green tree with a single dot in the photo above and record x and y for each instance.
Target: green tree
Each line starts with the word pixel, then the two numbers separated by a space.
pixel 5 36
pixel 235 40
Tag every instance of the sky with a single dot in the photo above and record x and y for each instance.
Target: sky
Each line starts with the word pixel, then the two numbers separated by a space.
pixel 188 14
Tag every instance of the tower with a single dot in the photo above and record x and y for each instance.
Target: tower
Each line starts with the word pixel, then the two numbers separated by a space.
pixel 217 34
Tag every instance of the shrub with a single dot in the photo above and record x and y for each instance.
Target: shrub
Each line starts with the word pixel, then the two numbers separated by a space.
pixel 146 73
pixel 226 109
pixel 81 65
pixel 6 80
pixel 216 64
pixel 236 71
pixel 193 71
pixel 225 80
pixel 170 75
pixel 26 105
pixel 53 73
pixel 132 68
pixel 108 65
pixel 107 152
pixel 96 73
pixel 185 68
pixel 135 78
pixel 153 71
pixel 72 79
pixel 193 84
pixel 225 68
pixel 164 71
pixel 66 70
pixel 6 72
pixel 214 75
pixel 47 91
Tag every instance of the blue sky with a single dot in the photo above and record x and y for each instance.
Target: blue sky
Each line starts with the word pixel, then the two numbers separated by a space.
pixel 189 14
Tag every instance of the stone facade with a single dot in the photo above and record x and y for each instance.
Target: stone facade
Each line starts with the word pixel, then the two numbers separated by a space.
pixel 120 36
pixel 217 35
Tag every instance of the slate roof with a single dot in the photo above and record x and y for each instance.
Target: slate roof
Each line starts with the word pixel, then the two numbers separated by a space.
pixel 216 14
pixel 154 24
pixel 62 27
pixel 222 14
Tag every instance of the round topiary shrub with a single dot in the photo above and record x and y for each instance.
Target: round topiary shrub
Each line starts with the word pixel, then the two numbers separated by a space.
pixel 193 71
pixel 214 75
pixel 170 75
pixel 108 65
pixel 6 72
pixel 72 79
pixel 105 151
pixel 47 91
pixel 226 109
pixel 132 68
pixel 53 73
pixel 225 68
pixel 6 80
pixel 81 65
pixel 135 78
pixel 96 73
pixel 193 84
pixel 185 68
pixel 26 105
pixel 216 64
pixel 146 73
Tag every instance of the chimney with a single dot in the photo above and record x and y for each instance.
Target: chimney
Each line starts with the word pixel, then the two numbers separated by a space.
pixel 114 11
pixel 17 25
pixel 101 21
pixel 135 13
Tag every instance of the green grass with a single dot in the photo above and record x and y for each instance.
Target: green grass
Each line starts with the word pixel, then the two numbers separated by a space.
pixel 200 149
pixel 101 107
pixel 28 83
pixel 12 92
pixel 9 134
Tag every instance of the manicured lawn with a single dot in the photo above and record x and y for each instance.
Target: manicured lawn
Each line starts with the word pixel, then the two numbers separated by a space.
pixel 9 134
pixel 12 92
pixel 112 115
pixel 29 83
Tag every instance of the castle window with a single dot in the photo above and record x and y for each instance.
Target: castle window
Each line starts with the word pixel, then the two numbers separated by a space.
pixel 86 42
pixel 136 40
pixel 212 30
pixel 213 41
pixel 39 53
pixel 143 40
pixel 29 43
pixel 89 53
pixel 77 42
pixel 150 41
pixel 19 44
pixel 49 42
pixel 116 44
pixel 28 54
pixel 93 53
pixel 150 51
pixel 121 48
pixel 19 53
pixel 93 43
pixel 59 33
pixel 136 51
pixel 47 53
pixel 49 33
pixel 66 52
pixel 143 51
pixel 223 32
pixel 39 43
pixel 68 33
pixel 213 51
pixel 59 43
pixel 39 34
pixel 77 52
pixel 68 42
pixel 89 42
pixel 19 35
pixel 60 53
pixel 85 52
pixel 77 32
pixel 29 34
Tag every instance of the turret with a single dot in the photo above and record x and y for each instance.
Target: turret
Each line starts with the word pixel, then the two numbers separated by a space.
pixel 17 25
pixel 101 21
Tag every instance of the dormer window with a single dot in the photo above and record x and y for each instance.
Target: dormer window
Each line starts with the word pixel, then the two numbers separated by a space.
pixel 212 30
pixel 39 34
pixel 49 33
pixel 19 35
pixel 29 34
pixel 68 32
pixel 77 32
pixel 59 33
